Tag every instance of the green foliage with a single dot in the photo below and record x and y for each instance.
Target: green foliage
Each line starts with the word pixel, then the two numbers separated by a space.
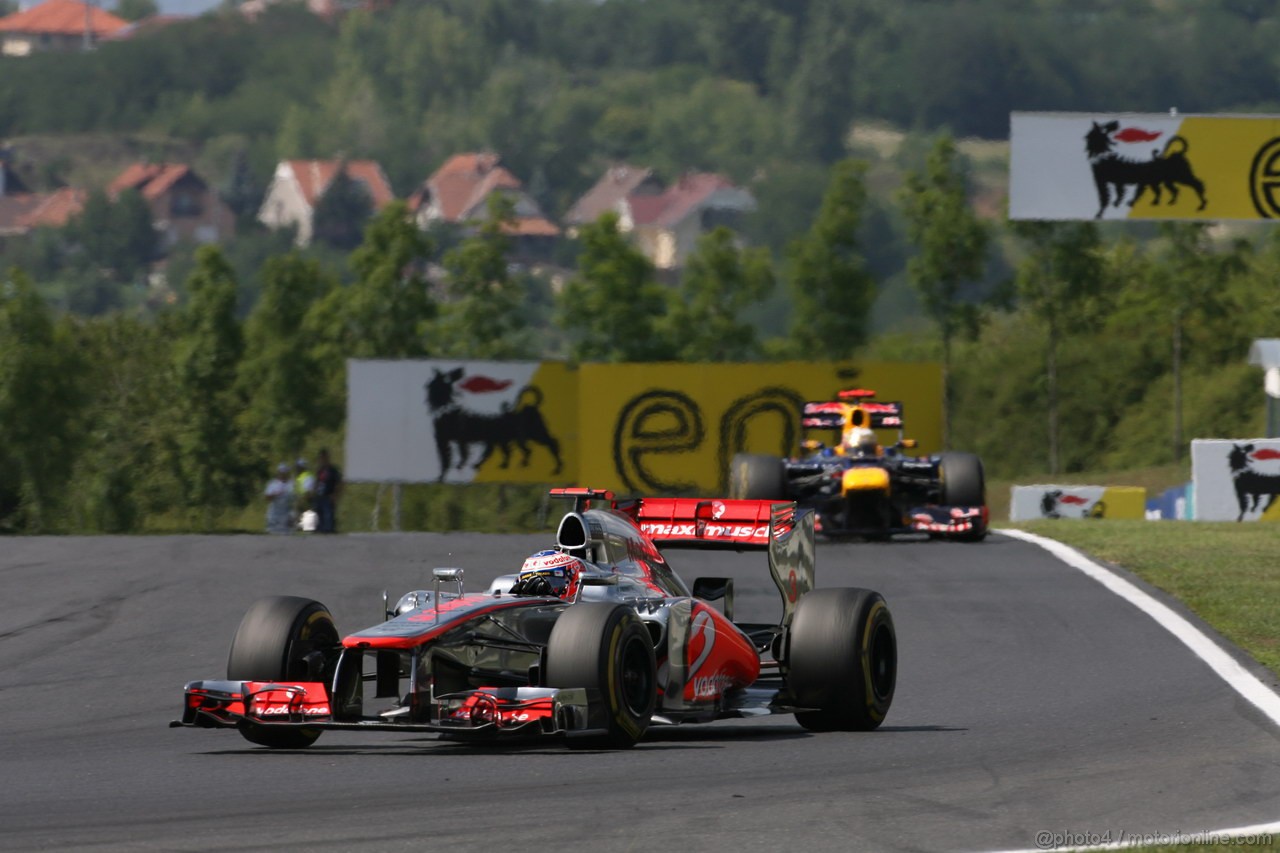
pixel 341 213
pixel 385 313
pixel 98 262
pixel 205 448
pixel 136 10
pixel 613 308
pixel 39 403
pixel 485 316
pixel 951 241
pixel 720 282
pixel 279 375
pixel 830 288
pixel 121 474
pixel 951 244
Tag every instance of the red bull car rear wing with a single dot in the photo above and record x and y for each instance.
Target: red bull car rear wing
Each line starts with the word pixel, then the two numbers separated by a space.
pixel 831 415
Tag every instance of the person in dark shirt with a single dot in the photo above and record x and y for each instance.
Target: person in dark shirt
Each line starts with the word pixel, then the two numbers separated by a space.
pixel 325 493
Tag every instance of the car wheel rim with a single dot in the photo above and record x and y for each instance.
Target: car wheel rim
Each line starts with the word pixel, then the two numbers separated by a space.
pixel 637 680
pixel 883 661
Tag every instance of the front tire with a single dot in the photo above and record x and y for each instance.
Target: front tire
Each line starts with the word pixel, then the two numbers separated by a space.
pixel 962 480
pixel 282 638
pixel 754 476
pixel 605 647
pixel 842 659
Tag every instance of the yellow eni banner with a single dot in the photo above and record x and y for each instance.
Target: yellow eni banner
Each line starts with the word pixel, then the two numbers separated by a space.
pixel 1143 166
pixel 635 428
pixel 672 428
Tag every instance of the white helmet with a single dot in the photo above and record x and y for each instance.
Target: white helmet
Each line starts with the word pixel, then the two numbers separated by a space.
pixel 550 572
pixel 861 439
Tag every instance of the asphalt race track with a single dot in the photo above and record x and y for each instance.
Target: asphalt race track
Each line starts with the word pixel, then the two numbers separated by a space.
pixel 1029 699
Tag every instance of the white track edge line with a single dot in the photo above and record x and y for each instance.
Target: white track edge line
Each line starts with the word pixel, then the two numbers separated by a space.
pixel 1228 669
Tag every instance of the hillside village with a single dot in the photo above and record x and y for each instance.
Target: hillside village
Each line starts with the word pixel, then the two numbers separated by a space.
pixel 663 217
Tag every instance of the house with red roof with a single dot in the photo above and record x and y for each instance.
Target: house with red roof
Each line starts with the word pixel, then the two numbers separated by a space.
pixel 56 25
pixel 610 193
pixel 299 185
pixel 21 212
pixel 458 194
pixel 183 207
pixel 664 222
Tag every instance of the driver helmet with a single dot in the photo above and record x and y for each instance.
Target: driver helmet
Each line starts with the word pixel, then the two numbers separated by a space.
pixel 861 440
pixel 550 572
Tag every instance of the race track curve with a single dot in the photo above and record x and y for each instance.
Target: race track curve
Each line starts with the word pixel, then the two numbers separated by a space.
pixel 1029 699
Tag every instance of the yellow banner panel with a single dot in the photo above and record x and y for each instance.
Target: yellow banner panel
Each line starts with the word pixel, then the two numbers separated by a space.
pixel 672 428
pixel 1124 502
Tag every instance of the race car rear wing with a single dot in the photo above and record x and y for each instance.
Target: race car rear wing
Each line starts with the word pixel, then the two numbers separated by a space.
pixel 781 528
pixel 831 415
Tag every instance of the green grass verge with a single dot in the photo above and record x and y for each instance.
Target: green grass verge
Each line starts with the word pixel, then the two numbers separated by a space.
pixel 1226 573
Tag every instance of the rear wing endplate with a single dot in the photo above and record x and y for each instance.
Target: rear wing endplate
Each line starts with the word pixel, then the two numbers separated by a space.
pixel 782 529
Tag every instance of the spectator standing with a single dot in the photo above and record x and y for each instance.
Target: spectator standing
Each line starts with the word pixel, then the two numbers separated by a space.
pixel 327 488
pixel 279 495
pixel 304 484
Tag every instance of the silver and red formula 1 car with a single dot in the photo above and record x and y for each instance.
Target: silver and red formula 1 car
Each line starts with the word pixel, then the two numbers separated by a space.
pixel 623 645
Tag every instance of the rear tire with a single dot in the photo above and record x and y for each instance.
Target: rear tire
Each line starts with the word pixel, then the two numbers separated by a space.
pixel 282 638
pixel 962 480
pixel 754 476
pixel 842 659
pixel 604 646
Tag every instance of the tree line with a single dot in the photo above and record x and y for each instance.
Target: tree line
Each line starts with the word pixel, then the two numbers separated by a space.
pixel 1099 350
pixel 765 91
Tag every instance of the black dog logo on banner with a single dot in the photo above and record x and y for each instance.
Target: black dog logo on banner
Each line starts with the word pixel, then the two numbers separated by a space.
pixel 1167 168
pixel 1251 485
pixel 456 427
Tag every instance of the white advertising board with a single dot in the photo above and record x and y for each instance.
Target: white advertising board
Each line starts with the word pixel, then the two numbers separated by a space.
pixel 1144 166
pixel 1236 479
pixel 438 421
pixel 1050 501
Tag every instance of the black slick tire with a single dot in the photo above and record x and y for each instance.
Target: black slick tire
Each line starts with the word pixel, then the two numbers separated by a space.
pixel 604 646
pixel 282 638
pixel 842 659
pixel 754 476
pixel 962 480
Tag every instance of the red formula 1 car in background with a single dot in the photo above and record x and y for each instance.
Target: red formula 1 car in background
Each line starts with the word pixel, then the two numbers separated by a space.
pixel 595 640
pixel 862 487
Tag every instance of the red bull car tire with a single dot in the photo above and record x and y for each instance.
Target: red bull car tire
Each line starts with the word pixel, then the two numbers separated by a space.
pixel 754 476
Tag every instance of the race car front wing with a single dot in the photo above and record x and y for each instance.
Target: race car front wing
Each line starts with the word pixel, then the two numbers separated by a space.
pixel 227 704
pixel 573 712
